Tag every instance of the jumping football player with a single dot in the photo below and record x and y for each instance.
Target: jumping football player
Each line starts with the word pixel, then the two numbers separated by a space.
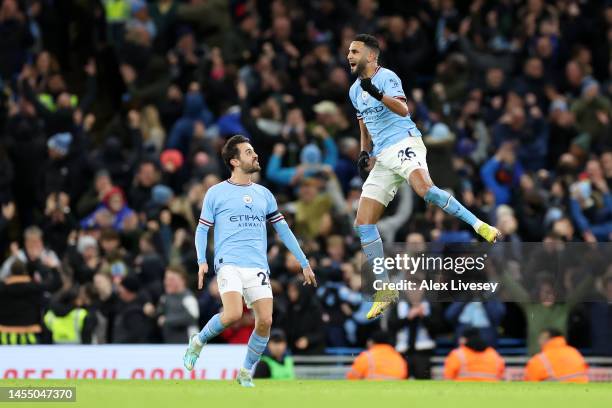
pixel 393 152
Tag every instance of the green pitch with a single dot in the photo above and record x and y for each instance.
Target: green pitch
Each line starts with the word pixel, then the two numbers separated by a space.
pixel 319 394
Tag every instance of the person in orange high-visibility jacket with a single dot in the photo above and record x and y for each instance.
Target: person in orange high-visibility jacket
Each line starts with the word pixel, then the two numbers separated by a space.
pixel 379 362
pixel 473 360
pixel 557 361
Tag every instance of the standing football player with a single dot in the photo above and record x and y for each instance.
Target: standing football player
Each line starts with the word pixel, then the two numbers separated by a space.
pixel 393 152
pixel 239 209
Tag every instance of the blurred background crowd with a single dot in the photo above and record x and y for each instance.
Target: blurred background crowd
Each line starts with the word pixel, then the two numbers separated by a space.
pixel 113 112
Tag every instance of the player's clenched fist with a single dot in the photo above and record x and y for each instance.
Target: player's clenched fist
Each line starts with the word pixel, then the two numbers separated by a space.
pixel 309 276
pixel 202 270
pixel 363 163
pixel 369 87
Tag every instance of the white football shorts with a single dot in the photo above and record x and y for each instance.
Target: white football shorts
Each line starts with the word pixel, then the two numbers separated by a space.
pixel 252 283
pixel 393 167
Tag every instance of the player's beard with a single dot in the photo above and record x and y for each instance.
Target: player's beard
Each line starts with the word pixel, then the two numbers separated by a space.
pixel 250 168
pixel 360 68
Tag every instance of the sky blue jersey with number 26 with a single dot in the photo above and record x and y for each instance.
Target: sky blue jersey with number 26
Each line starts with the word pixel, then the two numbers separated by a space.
pixel 386 127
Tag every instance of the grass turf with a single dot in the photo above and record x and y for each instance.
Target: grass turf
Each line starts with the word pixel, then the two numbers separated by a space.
pixel 319 394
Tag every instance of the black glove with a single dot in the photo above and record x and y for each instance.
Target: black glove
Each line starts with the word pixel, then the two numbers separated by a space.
pixel 362 164
pixel 366 85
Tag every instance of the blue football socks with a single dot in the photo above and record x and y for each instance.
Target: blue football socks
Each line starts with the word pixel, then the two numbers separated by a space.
pixel 372 246
pixel 451 206
pixel 212 329
pixel 255 347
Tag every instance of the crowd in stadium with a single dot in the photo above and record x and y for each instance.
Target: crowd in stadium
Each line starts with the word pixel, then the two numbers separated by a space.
pixel 113 113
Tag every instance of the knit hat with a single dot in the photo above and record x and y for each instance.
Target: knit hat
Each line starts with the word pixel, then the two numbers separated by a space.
pixel 86 241
pixel 325 107
pixel 230 124
pixel 277 335
pixel 131 283
pixel 60 142
pixel 587 83
pixel 172 156
pixel 161 194
pixel 356 183
pixel 311 154
pixel 553 214
pixel 138 5
pixel 113 191
pixel 558 104
pixel 440 132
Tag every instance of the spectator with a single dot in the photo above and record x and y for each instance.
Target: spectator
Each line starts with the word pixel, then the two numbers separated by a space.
pixel 501 174
pixel 149 264
pixel 485 317
pixel 83 258
pixel 116 259
pixel 105 302
pixel 591 204
pixel 58 222
pixel 379 362
pixel 178 309
pixel 131 323
pixel 473 360
pixel 302 320
pixel 529 132
pixel 310 159
pixel 27 150
pixel 91 199
pixel 440 142
pixel 41 263
pixel 557 361
pixel 601 316
pixel 548 310
pixel 7 216
pixel 15 39
pixel 415 323
pixel 593 114
pixel 276 363
pixel 68 322
pixel 112 213
pixel 21 302
pixel 312 216
pixel 195 116
pixel 148 175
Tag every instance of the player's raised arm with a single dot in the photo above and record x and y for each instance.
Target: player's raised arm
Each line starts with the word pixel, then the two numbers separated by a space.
pixel 391 95
pixel 206 221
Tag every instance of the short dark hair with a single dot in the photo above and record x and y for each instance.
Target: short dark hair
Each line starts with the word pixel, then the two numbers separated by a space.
pixel 381 337
pixel 369 40
pixel 230 149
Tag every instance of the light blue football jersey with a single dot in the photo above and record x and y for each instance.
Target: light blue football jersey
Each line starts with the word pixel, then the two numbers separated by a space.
pixel 386 127
pixel 239 214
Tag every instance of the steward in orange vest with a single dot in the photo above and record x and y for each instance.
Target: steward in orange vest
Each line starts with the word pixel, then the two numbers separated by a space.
pixel 473 360
pixel 379 362
pixel 557 361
